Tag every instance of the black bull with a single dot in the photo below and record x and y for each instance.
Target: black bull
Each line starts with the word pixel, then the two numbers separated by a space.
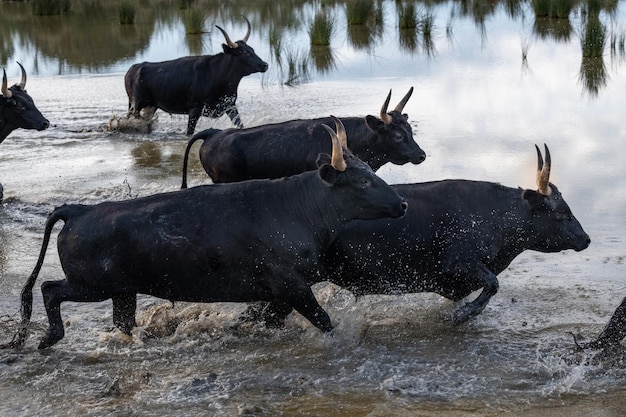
pixel 18 110
pixel 256 240
pixel 457 236
pixel 195 85
pixel 282 149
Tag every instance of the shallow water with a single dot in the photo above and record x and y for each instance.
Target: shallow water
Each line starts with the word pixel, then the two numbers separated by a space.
pixel 477 110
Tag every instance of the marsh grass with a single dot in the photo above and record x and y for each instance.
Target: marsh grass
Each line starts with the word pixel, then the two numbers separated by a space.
pixel 127 12
pixel 359 12
pixel 593 37
pixel 50 7
pixel 194 21
pixel 297 68
pixel 426 25
pixel 185 4
pixel 407 16
pixel 321 29
pixel 554 9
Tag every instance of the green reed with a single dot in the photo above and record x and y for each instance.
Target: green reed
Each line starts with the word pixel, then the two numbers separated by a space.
pixel 358 12
pixel 194 21
pixel 50 7
pixel 127 12
pixel 321 29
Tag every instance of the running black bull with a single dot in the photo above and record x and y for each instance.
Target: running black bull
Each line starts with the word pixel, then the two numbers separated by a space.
pixel 282 149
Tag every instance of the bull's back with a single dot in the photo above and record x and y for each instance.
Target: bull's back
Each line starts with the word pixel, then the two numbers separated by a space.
pixel 268 151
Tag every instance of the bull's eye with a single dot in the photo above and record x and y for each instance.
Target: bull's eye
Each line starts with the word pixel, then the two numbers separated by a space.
pixel 364 183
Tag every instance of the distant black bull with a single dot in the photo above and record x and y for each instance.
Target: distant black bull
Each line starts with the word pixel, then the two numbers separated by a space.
pixel 289 148
pixel 457 236
pixel 195 85
pixel 256 240
pixel 18 110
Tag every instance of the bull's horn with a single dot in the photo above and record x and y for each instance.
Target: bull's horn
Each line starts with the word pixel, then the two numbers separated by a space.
pixel 245 38
pixel 341 132
pixel 383 111
pixel 228 41
pixel 402 102
pixel 5 91
pixel 23 81
pixel 543 171
pixel 336 158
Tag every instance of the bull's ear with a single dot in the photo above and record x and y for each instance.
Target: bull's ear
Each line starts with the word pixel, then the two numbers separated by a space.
pixel 534 198
pixel 328 174
pixel 322 159
pixel 227 49
pixel 374 123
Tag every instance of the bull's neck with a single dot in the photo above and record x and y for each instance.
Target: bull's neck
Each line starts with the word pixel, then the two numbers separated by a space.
pixel 318 206
pixel 514 224
pixel 362 142
pixel 5 127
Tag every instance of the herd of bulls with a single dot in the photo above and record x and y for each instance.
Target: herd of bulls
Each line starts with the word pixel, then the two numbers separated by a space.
pixel 302 205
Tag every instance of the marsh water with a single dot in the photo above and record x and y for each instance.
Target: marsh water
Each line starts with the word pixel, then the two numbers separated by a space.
pixel 491 79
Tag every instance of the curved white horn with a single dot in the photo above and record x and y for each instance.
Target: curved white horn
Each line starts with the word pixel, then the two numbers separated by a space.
pixel 543 171
pixel 402 102
pixel 383 111
pixel 23 80
pixel 228 41
pixel 336 158
pixel 341 132
pixel 5 91
pixel 245 38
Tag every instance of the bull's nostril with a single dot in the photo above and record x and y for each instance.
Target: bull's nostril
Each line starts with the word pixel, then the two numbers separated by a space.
pixel 405 206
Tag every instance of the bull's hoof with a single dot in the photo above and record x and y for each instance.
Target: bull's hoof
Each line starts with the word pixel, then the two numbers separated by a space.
pixel 50 339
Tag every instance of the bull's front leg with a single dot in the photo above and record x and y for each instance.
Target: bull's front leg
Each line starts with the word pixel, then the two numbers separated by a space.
pixel 233 113
pixel 301 299
pixel 489 282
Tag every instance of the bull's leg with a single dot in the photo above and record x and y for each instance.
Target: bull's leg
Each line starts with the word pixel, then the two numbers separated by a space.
pixel 304 302
pixel 614 331
pixel 490 288
pixel 124 308
pixel 194 116
pixel 54 293
pixel 233 113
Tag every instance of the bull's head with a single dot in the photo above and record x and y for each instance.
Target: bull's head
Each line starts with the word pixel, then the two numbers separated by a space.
pixel 554 227
pixel 395 133
pixel 251 62
pixel 374 197
pixel 19 109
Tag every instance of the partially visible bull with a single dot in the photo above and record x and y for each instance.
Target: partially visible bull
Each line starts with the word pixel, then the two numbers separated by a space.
pixel 195 85
pixel 289 148
pixel 254 240
pixel 456 238
pixel 18 110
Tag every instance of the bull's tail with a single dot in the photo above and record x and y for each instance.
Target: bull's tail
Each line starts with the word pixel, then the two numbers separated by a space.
pixel 205 134
pixel 60 213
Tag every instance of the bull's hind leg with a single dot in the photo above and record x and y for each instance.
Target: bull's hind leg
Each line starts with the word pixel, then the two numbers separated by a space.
pixel 56 292
pixel 124 308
